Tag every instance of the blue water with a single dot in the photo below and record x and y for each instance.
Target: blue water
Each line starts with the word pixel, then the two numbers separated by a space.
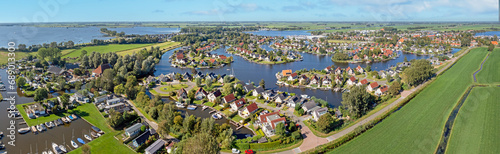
pixel 490 33
pixel 279 33
pixel 146 30
pixel 30 35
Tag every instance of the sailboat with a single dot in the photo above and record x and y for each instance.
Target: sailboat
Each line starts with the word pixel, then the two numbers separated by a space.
pixel 73 143
pixel 62 145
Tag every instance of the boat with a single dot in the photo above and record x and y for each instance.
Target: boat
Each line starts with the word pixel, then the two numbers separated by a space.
pixel 93 134
pixel 51 124
pixel 44 152
pixel 48 125
pixel 23 130
pixel 74 116
pixel 70 118
pixel 191 107
pixel 33 128
pixel 50 152
pixel 63 119
pixel 2 146
pixel 216 116
pixel 97 130
pixel 39 128
pixel 204 107
pixel 56 148
pixel 87 137
pixel 80 140
pixel 73 143
pixel 43 127
pixel 60 122
pixel 1 133
pixel 180 105
pixel 63 148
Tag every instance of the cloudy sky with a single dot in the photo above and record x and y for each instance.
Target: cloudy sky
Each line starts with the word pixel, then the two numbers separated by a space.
pixel 255 10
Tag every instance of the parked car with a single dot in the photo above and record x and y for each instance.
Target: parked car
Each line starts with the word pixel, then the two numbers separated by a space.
pixel 235 150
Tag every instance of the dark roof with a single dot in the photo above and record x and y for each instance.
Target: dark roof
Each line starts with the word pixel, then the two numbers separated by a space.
pixel 217 93
pixel 259 89
pixel 309 105
pixel 55 70
pixel 156 146
pixel 71 66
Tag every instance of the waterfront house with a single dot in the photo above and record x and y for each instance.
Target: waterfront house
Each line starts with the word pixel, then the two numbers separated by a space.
pixel 182 94
pixel 373 86
pixel 153 148
pixel 248 88
pixel 325 81
pixel 257 91
pixel 268 94
pixel 350 71
pixel 200 94
pixel 351 81
pixel 319 112
pixel 314 80
pixel 338 80
pixel 303 79
pixel 237 104
pixel 280 98
pixel 212 96
pixel 133 130
pixel 328 69
pixel 118 107
pixel 292 76
pixel 360 69
pixel 293 100
pixel 338 71
pixel 248 110
pixel 228 99
pixel 363 82
pixel 309 106
pixel 187 76
pixel 269 122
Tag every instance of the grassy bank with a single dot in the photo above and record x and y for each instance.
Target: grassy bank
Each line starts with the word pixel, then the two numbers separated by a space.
pixel 4 55
pixel 491 70
pixel 164 45
pixel 476 126
pixel 104 49
pixel 417 127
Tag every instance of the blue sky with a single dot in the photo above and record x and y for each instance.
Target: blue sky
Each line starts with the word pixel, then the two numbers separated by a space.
pixel 255 10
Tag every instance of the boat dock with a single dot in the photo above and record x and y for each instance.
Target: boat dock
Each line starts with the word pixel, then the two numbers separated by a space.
pixel 192 107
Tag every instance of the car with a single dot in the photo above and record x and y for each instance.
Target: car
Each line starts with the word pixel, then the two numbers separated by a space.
pixel 235 150
pixel 249 151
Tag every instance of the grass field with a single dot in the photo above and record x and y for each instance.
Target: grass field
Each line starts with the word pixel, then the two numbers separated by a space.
pixel 477 124
pixel 4 55
pixel 171 88
pixel 164 45
pixel 417 127
pixel 104 49
pixel 491 70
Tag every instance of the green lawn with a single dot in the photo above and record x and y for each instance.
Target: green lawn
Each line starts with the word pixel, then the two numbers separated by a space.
pixel 105 49
pixel 171 88
pixel 476 128
pixel 4 55
pixel 491 70
pixel 164 45
pixel 417 127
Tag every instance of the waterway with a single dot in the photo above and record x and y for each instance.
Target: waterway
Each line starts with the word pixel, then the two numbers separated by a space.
pixel 489 33
pixel 31 35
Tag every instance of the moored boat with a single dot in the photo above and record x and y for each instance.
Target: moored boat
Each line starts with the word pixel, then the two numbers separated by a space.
pixel 39 128
pixel 73 143
pixel 87 137
pixel 51 124
pixel 70 117
pixel 48 125
pixel 43 127
pixel 97 130
pixel 74 116
pixel 80 140
pixel 33 128
pixel 191 107
pixel 56 148
pixel 23 130
pixel 63 148
pixel 93 134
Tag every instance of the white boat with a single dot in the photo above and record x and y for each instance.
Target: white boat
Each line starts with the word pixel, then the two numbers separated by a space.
pixel 52 124
pixel 56 148
pixel 50 152
pixel 45 152
pixel 39 128
pixel 87 137
pixel 73 143
pixel 43 127
pixel 23 130
pixel 180 105
pixel 48 125
pixel 63 148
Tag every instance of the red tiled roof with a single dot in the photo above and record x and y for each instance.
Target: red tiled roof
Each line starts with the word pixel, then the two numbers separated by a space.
pixel 263 118
pixel 364 81
pixel 252 107
pixel 373 84
pixel 99 70
pixel 229 97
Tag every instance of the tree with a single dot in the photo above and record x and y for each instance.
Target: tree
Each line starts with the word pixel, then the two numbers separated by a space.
pixel 64 100
pixel 419 71
pixel 85 149
pixel 208 83
pixel 262 84
pixel 325 123
pixel 280 129
pixel 406 59
pixel 78 85
pixel 20 82
pixel 41 94
pixel 226 138
pixel 202 142
pixel 394 89
pixel 119 89
pixel 198 82
pixel 491 47
pixel 389 78
pixel 178 120
pixel 340 56
pixel 368 68
pixel 357 101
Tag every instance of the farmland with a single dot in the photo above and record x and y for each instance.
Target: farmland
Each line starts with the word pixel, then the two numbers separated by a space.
pixel 4 55
pixel 105 49
pixel 490 72
pixel 476 126
pixel 417 127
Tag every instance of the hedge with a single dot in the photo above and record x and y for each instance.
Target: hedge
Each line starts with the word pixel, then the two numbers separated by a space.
pixel 242 145
pixel 265 146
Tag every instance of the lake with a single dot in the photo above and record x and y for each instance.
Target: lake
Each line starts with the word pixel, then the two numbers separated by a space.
pixel 489 33
pixel 30 35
